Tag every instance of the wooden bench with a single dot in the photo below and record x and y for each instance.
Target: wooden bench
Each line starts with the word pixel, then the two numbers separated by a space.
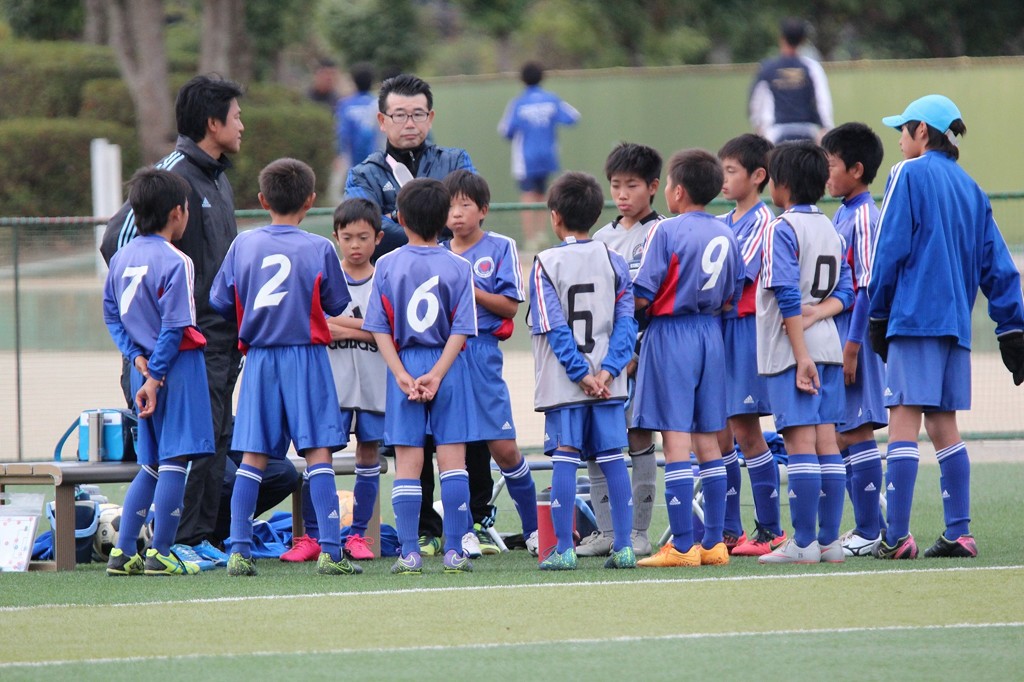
pixel 64 476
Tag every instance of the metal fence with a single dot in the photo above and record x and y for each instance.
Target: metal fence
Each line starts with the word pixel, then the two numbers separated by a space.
pixel 57 359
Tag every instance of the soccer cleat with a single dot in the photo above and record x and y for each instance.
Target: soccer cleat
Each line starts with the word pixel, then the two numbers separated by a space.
pixel 207 551
pixel 963 547
pixel 832 553
pixel 668 556
pixel 595 544
pixel 533 543
pixel 792 553
pixel 429 545
pixel 856 545
pixel 304 548
pixel 325 565
pixel 188 553
pixel 763 542
pixel 471 545
pixel 718 555
pixel 456 563
pixel 733 541
pixel 408 565
pixel 357 547
pixel 239 565
pixel 168 564
pixel 566 561
pixel 623 558
pixel 120 563
pixel 487 545
pixel 641 543
pixel 905 548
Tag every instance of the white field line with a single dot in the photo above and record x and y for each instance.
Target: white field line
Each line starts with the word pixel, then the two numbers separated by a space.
pixel 524 586
pixel 511 645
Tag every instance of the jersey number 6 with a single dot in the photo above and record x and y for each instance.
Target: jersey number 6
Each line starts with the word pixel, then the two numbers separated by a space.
pixel 423 293
pixel 585 316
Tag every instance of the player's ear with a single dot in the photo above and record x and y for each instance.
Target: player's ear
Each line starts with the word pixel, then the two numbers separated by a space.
pixel 653 187
pixel 310 200
pixel 483 211
pixel 263 201
pixel 857 170
pixel 758 176
pixel 378 236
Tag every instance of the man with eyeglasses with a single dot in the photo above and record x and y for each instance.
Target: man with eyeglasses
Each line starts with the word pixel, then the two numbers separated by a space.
pixel 405 114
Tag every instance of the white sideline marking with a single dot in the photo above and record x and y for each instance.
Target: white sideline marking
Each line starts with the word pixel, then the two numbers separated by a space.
pixel 512 645
pixel 524 586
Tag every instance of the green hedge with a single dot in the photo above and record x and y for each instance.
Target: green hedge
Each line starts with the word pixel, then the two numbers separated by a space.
pixel 45 79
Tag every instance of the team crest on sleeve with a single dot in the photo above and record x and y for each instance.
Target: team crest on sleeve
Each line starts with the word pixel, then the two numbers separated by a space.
pixel 484 267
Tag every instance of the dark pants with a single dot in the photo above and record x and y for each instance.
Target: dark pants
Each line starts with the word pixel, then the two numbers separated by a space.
pixel 279 481
pixel 478 466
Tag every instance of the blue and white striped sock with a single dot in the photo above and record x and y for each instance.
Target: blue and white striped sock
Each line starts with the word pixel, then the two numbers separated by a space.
pixel 324 493
pixel 901 475
pixel 804 491
pixel 764 487
pixel 167 507
pixel 243 508
pixel 406 497
pixel 955 481
pixel 455 501
pixel 714 484
pixel 865 486
pixel 733 485
pixel 833 495
pixel 563 496
pixel 679 499
pixel 523 492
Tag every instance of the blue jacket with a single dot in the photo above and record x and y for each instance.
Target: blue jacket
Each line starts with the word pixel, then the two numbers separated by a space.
pixel 356 126
pixel 372 179
pixel 531 122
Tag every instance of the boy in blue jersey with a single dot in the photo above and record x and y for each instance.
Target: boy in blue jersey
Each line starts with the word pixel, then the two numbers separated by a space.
pixel 359 374
pixel 583 327
pixel 691 270
pixel 279 281
pixel 148 307
pixel 745 170
pixel 498 291
pixel 937 242
pixel 634 173
pixel 421 312
pixel 854 155
pixel 805 281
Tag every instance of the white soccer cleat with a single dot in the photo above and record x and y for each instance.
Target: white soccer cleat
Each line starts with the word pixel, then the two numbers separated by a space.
pixel 792 553
pixel 532 543
pixel 856 545
pixel 471 545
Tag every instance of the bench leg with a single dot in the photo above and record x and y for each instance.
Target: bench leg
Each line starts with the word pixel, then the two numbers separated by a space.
pixel 64 533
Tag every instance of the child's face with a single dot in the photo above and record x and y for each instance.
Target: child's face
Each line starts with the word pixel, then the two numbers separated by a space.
pixel 357 241
pixel 913 142
pixel 843 181
pixel 780 194
pixel 465 217
pixel 632 195
pixel 738 184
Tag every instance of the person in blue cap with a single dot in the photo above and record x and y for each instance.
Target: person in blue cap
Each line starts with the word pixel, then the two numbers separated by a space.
pixel 937 241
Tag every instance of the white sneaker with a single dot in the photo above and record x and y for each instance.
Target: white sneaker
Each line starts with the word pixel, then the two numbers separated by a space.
pixel 471 545
pixel 641 543
pixel 832 553
pixel 595 544
pixel 792 553
pixel 532 543
pixel 855 545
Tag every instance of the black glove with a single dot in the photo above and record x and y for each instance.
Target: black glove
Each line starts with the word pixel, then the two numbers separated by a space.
pixel 1011 347
pixel 876 334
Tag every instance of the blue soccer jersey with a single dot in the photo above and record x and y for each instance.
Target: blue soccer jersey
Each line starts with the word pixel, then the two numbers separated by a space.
pixel 749 230
pixel 691 265
pixel 496 270
pixel 280 281
pixel 531 121
pixel 421 296
pixel 937 244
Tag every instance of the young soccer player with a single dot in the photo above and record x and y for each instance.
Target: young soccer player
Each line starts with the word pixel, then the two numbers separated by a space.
pixel 359 379
pixel 421 312
pixel 633 172
pixel 854 155
pixel 498 291
pixel 149 309
pixel 280 281
pixel 805 281
pixel 937 242
pixel 745 171
pixel 691 270
pixel 583 336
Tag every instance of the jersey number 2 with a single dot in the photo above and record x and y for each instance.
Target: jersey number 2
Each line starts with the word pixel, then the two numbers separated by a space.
pixel 266 297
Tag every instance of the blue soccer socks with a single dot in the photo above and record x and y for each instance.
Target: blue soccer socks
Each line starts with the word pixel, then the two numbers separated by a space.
pixel 804 491
pixel 523 492
pixel 679 498
pixel 167 505
pixel 764 487
pixel 243 508
pixel 455 501
pixel 901 474
pixel 563 496
pixel 406 497
pixel 955 482
pixel 831 498
pixel 714 484
pixel 620 496
pixel 734 484
pixel 324 493
pixel 364 494
pixel 136 507
pixel 865 486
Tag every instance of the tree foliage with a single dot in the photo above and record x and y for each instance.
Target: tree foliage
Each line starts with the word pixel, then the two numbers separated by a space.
pixel 44 19
pixel 385 33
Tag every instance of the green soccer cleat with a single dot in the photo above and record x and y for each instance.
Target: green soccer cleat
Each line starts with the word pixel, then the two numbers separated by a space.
pixel 408 565
pixel 623 558
pixel 566 561
pixel 122 564
pixel 487 544
pixel 429 545
pixel 240 565
pixel 327 566
pixel 168 564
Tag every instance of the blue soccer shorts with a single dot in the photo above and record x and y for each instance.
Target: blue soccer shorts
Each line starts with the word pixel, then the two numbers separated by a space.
pixel 450 417
pixel 534 183
pixel 864 403
pixel 590 428
pixel 367 426
pixel 933 373
pixel 793 407
pixel 484 362
pixel 746 391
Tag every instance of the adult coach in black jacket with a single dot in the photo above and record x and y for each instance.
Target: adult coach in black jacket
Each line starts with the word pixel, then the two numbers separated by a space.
pixel 209 128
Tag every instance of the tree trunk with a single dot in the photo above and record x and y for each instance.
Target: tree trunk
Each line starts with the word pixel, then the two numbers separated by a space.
pixel 224 48
pixel 135 31
pixel 95 23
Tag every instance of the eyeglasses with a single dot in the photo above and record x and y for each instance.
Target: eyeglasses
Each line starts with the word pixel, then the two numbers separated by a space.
pixel 402 117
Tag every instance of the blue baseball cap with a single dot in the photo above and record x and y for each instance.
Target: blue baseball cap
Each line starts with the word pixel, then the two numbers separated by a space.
pixel 938 111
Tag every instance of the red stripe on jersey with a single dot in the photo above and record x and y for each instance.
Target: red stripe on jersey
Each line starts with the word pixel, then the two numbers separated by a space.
pixel 389 310
pixel 665 300
pixel 319 332
pixel 191 339
pixel 748 300
pixel 239 311
pixel 505 329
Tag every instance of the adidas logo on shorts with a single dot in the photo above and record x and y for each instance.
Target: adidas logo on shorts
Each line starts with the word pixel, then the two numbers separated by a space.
pixel 506 427
pixel 888 392
pixel 749 400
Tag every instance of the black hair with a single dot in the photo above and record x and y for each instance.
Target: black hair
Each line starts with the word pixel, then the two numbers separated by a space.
pixel 423 204
pixel 793 31
pixel 628 158
pixel 362 76
pixel 751 151
pixel 202 98
pixel 153 194
pixel 856 143
pixel 353 210
pixel 532 73
pixel 286 184
pixel 404 84
pixel 937 141
pixel 578 199
pixel 470 185
pixel 698 172
pixel 802 168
